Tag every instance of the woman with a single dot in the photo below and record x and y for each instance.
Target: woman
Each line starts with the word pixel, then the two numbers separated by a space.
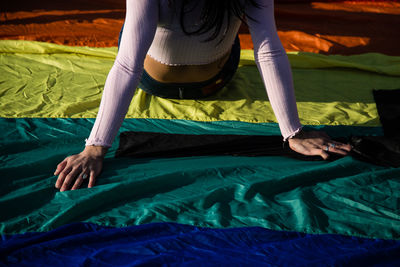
pixel 189 49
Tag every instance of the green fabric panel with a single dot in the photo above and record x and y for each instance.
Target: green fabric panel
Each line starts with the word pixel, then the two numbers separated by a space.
pixel 345 197
pixel 373 62
pixel 48 80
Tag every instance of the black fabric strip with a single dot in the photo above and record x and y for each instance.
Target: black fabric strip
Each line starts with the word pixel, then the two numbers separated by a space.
pixel 388 105
pixel 148 144
pixel 380 150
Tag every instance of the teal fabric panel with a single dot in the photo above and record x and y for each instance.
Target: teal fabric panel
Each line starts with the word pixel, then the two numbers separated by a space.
pixel 342 197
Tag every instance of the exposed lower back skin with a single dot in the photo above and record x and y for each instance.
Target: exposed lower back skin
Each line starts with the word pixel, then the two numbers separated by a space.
pixel 328 28
pixel 183 74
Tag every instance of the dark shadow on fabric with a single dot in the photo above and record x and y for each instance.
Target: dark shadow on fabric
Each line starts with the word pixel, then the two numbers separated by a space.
pixel 24 5
pixel 32 201
pixel 87 17
pixel 374 26
pixel 269 189
pixel 12 175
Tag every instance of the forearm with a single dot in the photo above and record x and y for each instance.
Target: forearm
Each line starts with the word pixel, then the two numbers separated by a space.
pixel 140 26
pixel 118 92
pixel 275 69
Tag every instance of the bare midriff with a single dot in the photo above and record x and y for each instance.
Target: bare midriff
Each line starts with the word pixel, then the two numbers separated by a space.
pixel 183 73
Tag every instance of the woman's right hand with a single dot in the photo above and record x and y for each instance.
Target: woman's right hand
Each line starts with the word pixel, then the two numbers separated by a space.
pixel 74 169
pixel 317 143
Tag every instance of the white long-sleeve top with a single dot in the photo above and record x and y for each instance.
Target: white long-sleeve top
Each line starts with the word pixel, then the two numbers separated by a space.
pixel 153 27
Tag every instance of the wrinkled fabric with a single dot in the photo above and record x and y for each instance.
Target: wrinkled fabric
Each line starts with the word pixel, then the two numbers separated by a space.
pixel 47 80
pixel 361 199
pixel 345 196
pixel 381 150
pixel 159 244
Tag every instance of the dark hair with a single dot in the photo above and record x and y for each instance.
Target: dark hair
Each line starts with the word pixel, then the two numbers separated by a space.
pixel 213 15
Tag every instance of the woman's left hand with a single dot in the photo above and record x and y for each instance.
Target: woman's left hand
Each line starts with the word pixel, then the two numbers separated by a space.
pixel 317 143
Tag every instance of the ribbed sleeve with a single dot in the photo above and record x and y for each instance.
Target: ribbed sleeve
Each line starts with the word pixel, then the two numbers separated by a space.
pixel 169 44
pixel 274 67
pixel 123 78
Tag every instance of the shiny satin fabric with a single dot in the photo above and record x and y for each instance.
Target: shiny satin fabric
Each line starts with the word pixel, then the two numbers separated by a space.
pixel 159 244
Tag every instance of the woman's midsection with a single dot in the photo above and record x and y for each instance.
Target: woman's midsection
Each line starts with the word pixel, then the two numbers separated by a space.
pixel 183 74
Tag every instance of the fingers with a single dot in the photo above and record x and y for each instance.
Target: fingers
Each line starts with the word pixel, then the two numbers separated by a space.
pixel 319 147
pixel 70 178
pixel 324 150
pixel 76 169
pixel 318 143
pixel 62 176
pixel 83 176
pixel 346 147
pixel 338 151
pixel 60 166
pixel 92 179
pixel 316 151
pixel 336 147
pixel 324 139
pixel 75 178
pixel 323 154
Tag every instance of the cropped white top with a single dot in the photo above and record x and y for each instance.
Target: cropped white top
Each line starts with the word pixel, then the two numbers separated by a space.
pixel 171 46
pixel 152 27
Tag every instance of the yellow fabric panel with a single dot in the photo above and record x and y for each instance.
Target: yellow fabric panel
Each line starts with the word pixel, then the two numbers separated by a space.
pixel 373 62
pixel 48 80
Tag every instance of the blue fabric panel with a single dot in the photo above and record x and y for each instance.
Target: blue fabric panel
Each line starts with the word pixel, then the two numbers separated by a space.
pixel 155 244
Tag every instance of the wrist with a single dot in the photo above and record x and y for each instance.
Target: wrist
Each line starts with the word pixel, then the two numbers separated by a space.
pixel 95 151
pixel 298 134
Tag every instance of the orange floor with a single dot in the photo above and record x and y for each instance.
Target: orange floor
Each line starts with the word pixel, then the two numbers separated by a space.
pixel 321 27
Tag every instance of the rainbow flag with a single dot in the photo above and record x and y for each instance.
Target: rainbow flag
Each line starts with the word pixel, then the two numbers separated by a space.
pixel 208 210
